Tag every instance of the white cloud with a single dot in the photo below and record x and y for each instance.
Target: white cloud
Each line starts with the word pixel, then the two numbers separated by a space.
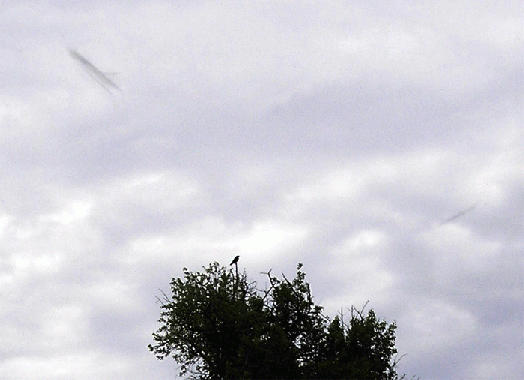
pixel 75 212
pixel 436 325
pixel 64 326
pixel 270 239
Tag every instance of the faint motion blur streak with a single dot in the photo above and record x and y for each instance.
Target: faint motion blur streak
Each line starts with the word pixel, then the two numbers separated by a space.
pixel 456 216
pixel 95 73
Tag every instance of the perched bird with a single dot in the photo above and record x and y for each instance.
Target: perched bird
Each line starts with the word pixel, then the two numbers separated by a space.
pixel 235 260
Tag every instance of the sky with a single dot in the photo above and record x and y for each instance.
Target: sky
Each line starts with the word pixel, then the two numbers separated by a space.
pixel 378 143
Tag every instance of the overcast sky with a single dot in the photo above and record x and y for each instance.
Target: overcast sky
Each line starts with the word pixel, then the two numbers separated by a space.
pixel 380 143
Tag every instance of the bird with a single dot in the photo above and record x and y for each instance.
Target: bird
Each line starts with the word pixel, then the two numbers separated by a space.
pixel 235 260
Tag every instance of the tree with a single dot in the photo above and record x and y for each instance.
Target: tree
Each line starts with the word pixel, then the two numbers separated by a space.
pixel 361 350
pixel 218 325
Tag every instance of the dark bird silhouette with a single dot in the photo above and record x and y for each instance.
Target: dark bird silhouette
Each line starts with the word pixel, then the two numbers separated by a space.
pixel 235 260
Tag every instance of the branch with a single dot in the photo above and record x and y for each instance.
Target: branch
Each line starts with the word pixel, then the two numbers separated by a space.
pixel 267 291
pixel 165 298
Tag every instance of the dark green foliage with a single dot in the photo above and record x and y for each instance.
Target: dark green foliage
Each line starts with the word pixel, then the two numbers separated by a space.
pixel 217 325
pixel 362 350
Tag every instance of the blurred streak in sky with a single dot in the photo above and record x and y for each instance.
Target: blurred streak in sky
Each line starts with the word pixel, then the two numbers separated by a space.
pixel 94 72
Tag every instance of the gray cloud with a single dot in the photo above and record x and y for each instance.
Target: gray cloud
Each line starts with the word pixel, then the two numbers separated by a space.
pixel 339 136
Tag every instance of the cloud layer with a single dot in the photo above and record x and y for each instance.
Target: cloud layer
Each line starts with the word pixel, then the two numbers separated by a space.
pixel 380 144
